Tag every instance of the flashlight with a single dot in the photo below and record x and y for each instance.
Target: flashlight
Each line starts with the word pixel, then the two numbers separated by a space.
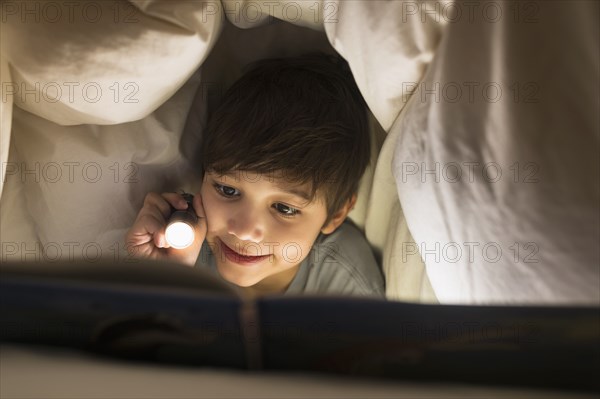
pixel 180 229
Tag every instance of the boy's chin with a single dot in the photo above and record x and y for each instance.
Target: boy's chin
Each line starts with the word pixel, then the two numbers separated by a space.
pixel 244 283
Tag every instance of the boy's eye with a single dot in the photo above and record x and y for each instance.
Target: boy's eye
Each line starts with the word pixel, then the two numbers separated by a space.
pixel 285 210
pixel 225 191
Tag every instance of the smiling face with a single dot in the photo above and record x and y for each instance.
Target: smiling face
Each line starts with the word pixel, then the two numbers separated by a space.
pixel 261 227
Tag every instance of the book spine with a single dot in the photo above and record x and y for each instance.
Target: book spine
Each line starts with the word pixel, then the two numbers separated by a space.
pixel 250 326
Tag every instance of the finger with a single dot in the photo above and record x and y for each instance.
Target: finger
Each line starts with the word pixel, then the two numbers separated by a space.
pixel 141 233
pixel 160 238
pixel 176 200
pixel 132 241
pixel 156 213
pixel 155 200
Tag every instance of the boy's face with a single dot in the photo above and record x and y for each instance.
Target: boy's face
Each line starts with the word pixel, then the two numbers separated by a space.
pixel 260 227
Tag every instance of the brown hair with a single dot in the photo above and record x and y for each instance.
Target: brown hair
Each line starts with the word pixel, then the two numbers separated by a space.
pixel 303 117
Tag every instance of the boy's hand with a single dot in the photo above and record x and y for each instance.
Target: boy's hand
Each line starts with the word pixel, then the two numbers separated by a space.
pixel 146 238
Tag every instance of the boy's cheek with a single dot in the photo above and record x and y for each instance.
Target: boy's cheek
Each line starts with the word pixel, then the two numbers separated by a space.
pixel 213 218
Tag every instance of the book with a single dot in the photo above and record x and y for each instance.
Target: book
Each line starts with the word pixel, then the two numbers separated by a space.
pixel 170 313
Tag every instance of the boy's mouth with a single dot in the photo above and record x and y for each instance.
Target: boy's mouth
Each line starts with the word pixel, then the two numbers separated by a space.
pixel 235 257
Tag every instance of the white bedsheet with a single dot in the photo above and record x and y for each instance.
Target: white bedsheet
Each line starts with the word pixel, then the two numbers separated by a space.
pixel 63 374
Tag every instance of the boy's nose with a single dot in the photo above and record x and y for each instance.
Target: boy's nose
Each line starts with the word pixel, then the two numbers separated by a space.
pixel 246 228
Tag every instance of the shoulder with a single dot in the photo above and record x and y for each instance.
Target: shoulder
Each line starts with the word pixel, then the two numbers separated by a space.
pixel 343 262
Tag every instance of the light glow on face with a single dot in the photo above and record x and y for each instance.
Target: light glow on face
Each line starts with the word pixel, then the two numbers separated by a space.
pixel 256 214
pixel 179 235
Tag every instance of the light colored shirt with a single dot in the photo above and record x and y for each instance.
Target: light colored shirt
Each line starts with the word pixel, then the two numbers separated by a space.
pixel 339 263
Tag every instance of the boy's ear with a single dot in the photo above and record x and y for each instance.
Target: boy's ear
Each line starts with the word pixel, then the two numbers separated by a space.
pixel 339 217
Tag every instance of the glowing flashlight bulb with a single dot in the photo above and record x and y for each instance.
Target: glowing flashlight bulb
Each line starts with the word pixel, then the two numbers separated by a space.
pixel 180 229
pixel 179 235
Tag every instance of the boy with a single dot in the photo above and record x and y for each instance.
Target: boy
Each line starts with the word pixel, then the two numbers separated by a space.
pixel 282 157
